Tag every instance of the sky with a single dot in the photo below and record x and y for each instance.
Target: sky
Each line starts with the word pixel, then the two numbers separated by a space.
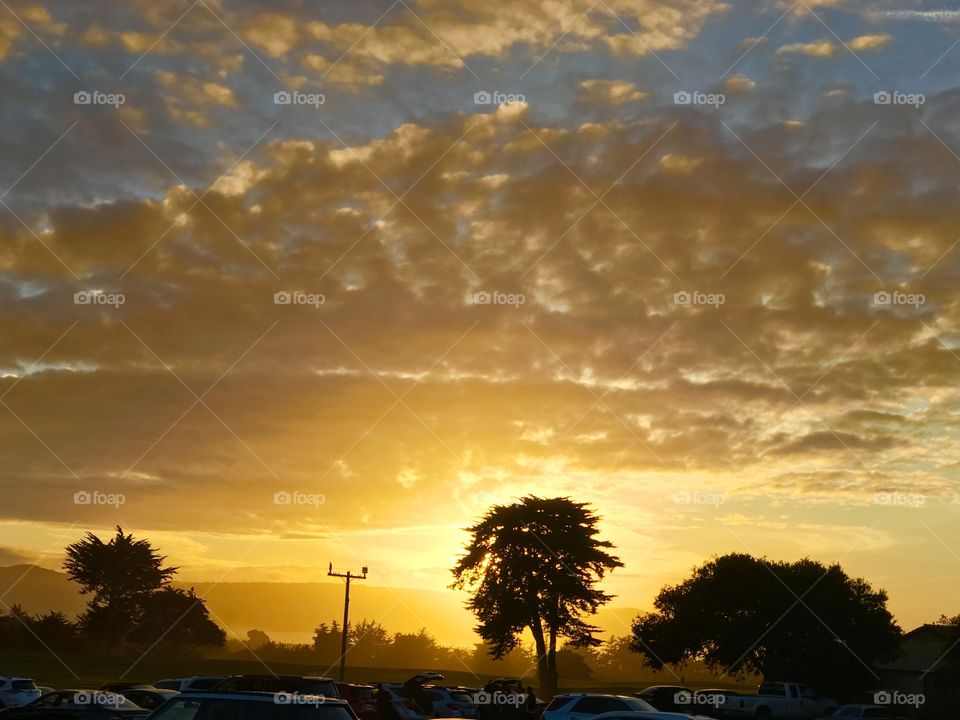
pixel 289 283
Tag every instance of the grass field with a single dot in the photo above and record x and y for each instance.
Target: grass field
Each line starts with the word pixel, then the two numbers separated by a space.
pixel 90 671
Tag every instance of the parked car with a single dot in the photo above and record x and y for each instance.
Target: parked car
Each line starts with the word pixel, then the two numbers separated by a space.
pixel 44 689
pixel 17 691
pixel 400 704
pixel 214 705
pixel 299 684
pixel 149 698
pixel 651 715
pixel 665 697
pixel 864 712
pixel 77 705
pixel 776 700
pixel 362 698
pixel 189 684
pixel 450 702
pixel 580 706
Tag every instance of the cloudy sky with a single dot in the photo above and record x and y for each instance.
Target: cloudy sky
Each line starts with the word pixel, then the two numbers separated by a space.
pixel 296 282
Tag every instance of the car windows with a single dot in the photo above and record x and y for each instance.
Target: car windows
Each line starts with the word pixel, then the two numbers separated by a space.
pixel 326 688
pixel 203 683
pixel 591 706
pixel 23 685
pixel 772 689
pixel 49 700
pixel 557 703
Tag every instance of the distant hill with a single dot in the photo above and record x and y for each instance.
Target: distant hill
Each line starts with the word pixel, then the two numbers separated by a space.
pixel 288 612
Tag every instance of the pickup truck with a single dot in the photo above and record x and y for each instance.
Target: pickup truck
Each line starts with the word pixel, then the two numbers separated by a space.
pixel 778 701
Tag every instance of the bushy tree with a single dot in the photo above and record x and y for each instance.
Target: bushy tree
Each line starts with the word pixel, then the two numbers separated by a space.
pixel 535 565
pixel 802 621
pixel 174 618
pixel 120 575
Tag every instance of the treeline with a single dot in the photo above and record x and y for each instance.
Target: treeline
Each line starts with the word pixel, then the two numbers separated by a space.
pixel 370 644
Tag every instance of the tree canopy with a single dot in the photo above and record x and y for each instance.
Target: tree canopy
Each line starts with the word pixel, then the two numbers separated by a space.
pixel 800 621
pixel 535 565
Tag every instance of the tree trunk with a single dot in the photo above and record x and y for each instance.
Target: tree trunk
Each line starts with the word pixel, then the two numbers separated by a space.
pixel 547 676
pixel 552 661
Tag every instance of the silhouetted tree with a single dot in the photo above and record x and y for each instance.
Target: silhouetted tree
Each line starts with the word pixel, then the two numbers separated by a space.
pixel 120 575
pixel 535 565
pixel 326 641
pixel 368 643
pixel 256 639
pixel 412 650
pixel 802 621
pixel 174 618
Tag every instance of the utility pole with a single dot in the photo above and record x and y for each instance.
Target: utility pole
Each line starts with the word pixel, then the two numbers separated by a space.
pixel 348 576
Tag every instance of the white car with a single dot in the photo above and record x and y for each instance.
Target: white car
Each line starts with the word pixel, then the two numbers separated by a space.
pixel 655 715
pixel 17 691
pixel 581 706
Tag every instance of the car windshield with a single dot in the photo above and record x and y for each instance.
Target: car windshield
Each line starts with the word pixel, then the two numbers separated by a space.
pixel 23 685
pixel 320 687
pixel 229 709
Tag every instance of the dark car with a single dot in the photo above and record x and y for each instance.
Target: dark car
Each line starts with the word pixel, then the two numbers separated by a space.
pixel 253 706
pixel 299 684
pixel 362 699
pixel 149 698
pixel 666 698
pixel 77 705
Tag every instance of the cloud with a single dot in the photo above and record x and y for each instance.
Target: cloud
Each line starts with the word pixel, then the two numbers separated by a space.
pixel 870 43
pixel 819 49
pixel 739 84
pixel 612 92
